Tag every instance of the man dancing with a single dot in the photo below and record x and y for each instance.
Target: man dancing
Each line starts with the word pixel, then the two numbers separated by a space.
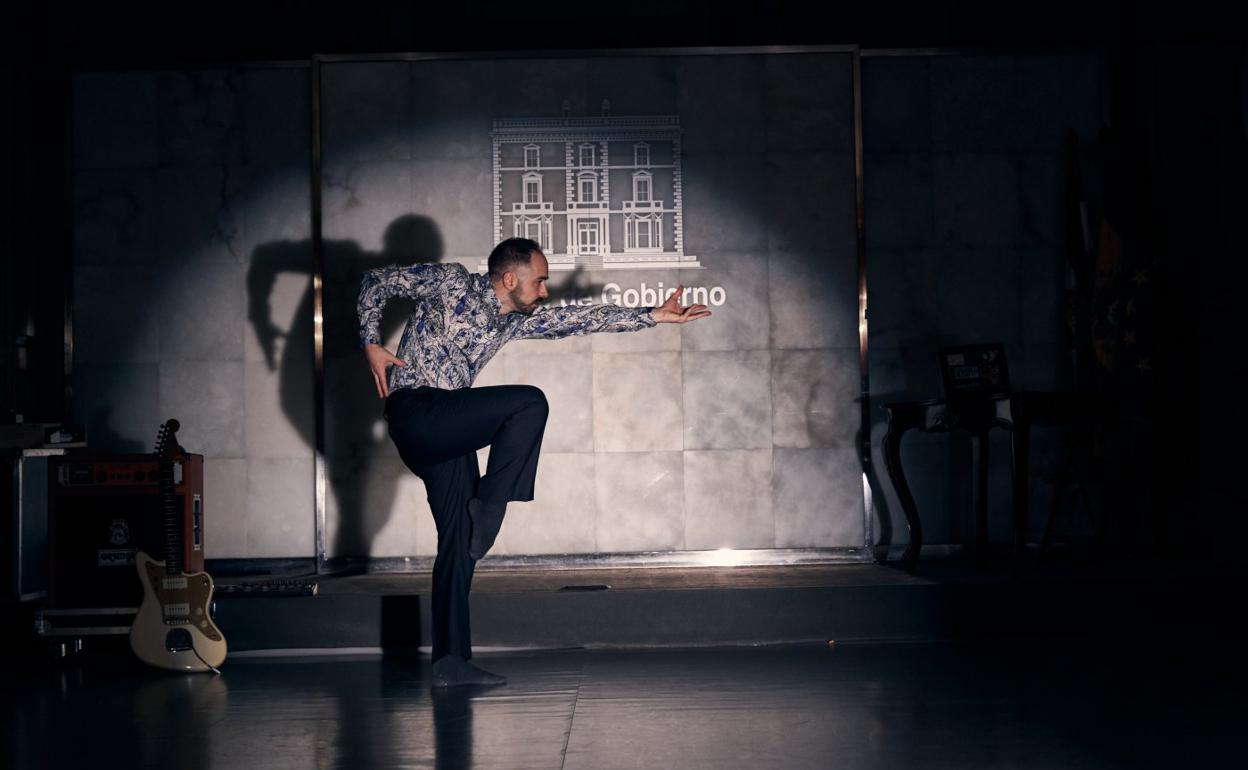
pixel 438 421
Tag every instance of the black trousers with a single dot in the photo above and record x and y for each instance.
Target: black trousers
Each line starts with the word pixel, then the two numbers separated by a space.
pixel 438 433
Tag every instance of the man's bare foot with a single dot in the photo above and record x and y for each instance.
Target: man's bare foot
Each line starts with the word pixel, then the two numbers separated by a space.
pixel 454 671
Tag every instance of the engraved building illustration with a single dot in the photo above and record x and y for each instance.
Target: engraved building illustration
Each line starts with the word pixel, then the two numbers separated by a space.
pixel 595 192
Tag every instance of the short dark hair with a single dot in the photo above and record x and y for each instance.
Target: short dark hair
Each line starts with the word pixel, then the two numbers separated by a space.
pixel 509 253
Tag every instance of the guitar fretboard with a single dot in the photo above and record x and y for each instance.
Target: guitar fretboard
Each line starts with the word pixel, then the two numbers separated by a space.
pixel 173 523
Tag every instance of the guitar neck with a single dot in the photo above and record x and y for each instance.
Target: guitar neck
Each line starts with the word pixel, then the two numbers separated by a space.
pixel 173 516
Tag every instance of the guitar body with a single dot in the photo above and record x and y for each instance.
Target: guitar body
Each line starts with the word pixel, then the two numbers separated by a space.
pixel 173 629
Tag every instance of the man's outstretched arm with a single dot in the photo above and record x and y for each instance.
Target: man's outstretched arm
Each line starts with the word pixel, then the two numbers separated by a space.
pixel 553 323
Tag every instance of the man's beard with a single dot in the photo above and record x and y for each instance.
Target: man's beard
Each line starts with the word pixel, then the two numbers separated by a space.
pixel 527 309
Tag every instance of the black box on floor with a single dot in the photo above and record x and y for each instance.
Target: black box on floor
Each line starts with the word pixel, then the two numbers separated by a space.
pixel 103 510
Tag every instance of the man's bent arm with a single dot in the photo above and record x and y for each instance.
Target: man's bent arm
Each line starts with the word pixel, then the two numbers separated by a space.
pixel 379 285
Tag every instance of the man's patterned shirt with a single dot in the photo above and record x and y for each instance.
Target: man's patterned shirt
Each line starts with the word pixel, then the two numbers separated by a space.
pixel 457 326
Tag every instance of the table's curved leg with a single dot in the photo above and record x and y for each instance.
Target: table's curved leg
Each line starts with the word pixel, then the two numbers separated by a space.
pixel 892 459
pixel 979 450
pixel 1019 476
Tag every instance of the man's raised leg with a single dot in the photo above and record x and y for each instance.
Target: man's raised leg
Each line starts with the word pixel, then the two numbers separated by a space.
pixel 431 425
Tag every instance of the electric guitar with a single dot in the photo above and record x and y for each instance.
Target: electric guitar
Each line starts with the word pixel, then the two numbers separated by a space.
pixel 173 628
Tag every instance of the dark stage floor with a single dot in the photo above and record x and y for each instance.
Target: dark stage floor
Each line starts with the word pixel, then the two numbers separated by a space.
pixel 1065 703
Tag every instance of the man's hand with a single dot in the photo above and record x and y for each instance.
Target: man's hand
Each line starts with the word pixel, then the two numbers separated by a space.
pixel 378 359
pixel 671 312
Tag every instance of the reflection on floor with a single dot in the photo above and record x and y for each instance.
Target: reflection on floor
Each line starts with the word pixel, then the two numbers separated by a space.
pixel 1061 703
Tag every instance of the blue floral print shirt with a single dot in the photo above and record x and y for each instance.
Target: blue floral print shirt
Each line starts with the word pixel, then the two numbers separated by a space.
pixel 457 326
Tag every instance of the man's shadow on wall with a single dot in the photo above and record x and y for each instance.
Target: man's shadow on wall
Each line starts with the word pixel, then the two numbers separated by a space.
pixel 356 440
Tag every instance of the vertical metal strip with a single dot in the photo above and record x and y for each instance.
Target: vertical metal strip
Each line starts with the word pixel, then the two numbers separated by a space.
pixel 318 316
pixel 67 246
pixel 864 433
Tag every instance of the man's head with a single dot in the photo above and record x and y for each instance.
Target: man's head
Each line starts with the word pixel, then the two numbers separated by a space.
pixel 518 272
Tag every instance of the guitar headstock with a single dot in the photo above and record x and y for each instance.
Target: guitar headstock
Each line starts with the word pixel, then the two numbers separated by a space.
pixel 167 446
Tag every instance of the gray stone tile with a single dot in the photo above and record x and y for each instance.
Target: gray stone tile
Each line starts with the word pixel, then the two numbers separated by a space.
pixel 376 506
pixel 743 320
pixel 636 85
pixel 457 197
pixel 724 204
pixel 566 346
pixel 201 313
pixel 721 104
pixel 275 211
pixel 1041 275
pixel 200 214
pixel 896 104
pixel 975 103
pixel 116 316
pixel 279 308
pixel 281 514
pixel 276 123
pixel 641 502
pixel 225 509
pixel 1044 367
pixel 728 499
pixel 815 398
pixel 567 379
pixel 412 517
pixel 361 199
pixel 898 201
pixel 355 425
pixel 119 403
pixel 200 117
pixel 581 285
pixel 207 397
pixel 638 402
pixel 663 337
pixel 728 398
pixel 609 286
pixel 809 102
pixel 115 120
pixel 811 202
pixel 280 413
pixel 366 111
pixel 454 109
pixel 1042 198
pixel 115 217
pixel 495 372
pixel 902 307
pixel 981 294
pixel 1056 92
pixel 814 299
pixel 818 498
pixel 524 88
pixel 409 530
pixel 560 518
pixel 976 200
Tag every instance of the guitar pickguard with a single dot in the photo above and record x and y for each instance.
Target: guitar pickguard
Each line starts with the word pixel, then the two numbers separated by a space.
pixel 183 599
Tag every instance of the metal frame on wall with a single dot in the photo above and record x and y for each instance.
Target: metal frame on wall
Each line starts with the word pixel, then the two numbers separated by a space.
pixel 730 557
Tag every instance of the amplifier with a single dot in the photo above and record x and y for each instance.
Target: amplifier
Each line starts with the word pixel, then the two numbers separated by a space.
pixel 102 510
